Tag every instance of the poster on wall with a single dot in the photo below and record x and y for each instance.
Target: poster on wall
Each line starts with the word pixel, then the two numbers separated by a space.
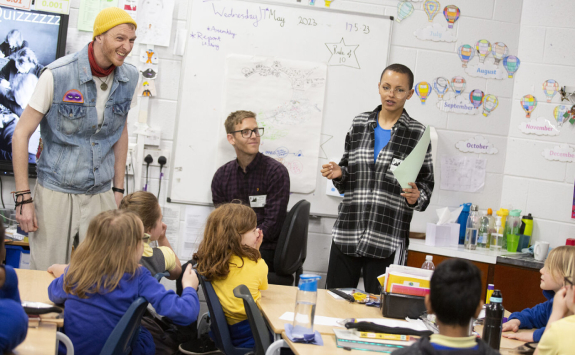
pixel 154 20
pixel 287 97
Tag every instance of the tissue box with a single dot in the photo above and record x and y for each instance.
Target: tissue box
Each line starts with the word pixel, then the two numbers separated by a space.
pixel 445 235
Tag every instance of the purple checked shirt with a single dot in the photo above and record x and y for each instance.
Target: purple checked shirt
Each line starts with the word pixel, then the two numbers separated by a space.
pixel 263 176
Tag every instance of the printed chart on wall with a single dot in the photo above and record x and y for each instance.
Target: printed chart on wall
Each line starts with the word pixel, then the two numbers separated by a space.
pixel 306 71
pixel 288 97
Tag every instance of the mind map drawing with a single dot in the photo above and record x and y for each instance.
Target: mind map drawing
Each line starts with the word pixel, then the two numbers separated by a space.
pixel 287 97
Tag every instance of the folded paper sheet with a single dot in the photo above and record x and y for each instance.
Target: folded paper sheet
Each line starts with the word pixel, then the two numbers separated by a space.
pixel 408 170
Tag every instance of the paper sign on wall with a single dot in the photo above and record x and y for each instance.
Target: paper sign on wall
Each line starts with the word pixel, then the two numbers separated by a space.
pixel 17 4
pixel 330 190
pixel 563 153
pixel 540 126
pixel 458 104
pixel 486 70
pixel 154 20
pixel 436 33
pixel 477 144
pixel 56 6
pixel 459 173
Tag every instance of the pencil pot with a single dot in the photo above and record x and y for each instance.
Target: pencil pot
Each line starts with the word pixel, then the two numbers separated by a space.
pixel 400 306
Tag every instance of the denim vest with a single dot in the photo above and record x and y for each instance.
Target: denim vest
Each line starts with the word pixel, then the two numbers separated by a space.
pixel 77 157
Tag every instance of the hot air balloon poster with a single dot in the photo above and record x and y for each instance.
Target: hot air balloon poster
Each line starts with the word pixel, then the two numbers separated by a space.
pixel 404 10
pixel 490 103
pixel 436 33
pixel 550 88
pixel 466 53
pixel 528 103
pixel 431 8
pixel 451 14
pixel 423 90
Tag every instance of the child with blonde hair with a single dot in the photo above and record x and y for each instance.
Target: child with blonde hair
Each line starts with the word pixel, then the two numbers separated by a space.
pixel 229 256
pixel 162 258
pixel 104 278
pixel 559 264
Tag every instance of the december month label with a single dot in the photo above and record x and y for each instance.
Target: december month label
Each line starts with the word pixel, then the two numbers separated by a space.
pixel 56 6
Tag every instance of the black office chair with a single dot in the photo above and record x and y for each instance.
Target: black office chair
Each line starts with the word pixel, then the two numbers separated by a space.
pixel 219 324
pixel 291 249
pixel 256 320
pixel 125 333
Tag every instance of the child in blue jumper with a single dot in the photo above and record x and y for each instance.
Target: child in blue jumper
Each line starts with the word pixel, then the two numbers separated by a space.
pixel 559 264
pixel 104 278
pixel 13 319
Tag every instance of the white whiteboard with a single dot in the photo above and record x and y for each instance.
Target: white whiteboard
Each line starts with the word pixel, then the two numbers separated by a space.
pixel 354 46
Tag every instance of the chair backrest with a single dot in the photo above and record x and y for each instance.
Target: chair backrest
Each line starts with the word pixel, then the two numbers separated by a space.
pixel 256 320
pixel 123 336
pixel 291 249
pixel 219 325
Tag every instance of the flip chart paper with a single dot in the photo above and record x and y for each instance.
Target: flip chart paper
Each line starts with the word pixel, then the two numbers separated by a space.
pixel 409 168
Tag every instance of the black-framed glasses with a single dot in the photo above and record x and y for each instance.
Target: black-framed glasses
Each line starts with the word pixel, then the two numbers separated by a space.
pixel 247 133
pixel 146 238
pixel 567 281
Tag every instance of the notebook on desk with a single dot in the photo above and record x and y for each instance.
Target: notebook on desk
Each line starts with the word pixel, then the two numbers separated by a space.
pixel 347 338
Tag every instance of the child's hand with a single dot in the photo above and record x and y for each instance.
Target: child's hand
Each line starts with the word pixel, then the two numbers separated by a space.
pixel 559 304
pixel 164 229
pixel 512 325
pixel 189 278
pixel 259 239
pixel 523 336
pixel 57 269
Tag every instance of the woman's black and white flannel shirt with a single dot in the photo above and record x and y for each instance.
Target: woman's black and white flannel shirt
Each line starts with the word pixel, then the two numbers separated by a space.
pixel 373 217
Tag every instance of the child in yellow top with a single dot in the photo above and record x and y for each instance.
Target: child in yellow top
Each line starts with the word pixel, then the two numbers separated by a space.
pixel 229 256
pixel 559 263
pixel 161 258
pixel 558 336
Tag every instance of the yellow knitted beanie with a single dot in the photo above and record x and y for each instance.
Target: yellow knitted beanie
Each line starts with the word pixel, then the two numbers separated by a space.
pixel 111 17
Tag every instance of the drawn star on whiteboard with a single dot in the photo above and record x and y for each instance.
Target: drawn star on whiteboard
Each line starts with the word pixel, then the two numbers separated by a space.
pixel 342 54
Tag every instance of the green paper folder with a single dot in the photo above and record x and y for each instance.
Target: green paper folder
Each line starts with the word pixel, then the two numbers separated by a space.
pixel 409 168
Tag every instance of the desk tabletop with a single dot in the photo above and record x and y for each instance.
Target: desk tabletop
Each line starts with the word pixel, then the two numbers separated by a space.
pixel 33 285
pixel 277 300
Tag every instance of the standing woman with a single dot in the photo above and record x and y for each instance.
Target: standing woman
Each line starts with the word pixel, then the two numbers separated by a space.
pixel 372 228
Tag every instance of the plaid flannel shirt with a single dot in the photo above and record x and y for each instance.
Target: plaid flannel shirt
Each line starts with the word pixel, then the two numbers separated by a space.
pixel 374 218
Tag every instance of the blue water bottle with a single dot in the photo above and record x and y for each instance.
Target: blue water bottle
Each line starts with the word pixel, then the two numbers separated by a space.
pixel 305 305
pixel 462 220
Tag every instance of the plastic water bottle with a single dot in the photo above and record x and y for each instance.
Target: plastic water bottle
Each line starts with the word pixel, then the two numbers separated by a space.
pixel 428 264
pixel 497 235
pixel 493 321
pixel 471 232
pixel 305 305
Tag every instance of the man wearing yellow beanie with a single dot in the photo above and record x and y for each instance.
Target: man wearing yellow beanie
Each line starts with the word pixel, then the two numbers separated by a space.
pixel 81 103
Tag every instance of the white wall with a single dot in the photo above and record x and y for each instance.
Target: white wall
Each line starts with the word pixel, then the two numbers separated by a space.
pixel 518 175
pixel 532 183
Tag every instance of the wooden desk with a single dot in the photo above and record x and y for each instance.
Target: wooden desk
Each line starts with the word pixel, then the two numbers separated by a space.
pixel 16 242
pixel 33 286
pixel 277 300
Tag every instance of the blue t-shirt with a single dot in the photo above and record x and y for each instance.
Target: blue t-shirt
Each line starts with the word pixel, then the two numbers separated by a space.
pixel 382 137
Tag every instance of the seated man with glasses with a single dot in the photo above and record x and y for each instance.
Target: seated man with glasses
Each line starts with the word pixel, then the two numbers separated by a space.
pixel 372 229
pixel 255 179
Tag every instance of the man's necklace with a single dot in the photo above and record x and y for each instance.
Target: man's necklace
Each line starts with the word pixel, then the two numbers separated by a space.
pixel 103 84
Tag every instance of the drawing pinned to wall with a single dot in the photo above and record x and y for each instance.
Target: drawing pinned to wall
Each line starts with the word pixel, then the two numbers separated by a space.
pixel 148 56
pixel 288 98
pixel 539 126
pixel 528 103
pixel 328 3
pixel 563 153
pixel 477 144
pixel 490 103
pixel 431 8
pixel 130 6
pixel 486 70
pixel 511 64
pixel 461 173
pixel 550 88
pixel 147 88
pixel 155 21
pixel 561 114
pixel 342 54
pixel 458 84
pixel 422 89
pixel 483 48
pixel 476 98
pixel 451 13
pixel 404 10
pixel 499 51
pixel 466 53
pixel 457 104
pixel 150 71
pixel 441 86
pixel 436 33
